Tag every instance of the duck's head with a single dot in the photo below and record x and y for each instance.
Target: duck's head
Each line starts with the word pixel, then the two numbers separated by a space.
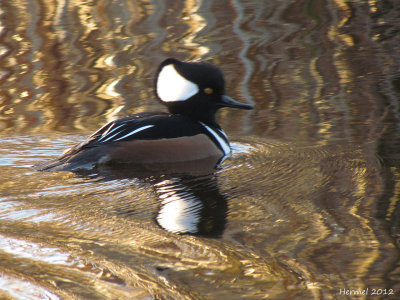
pixel 194 89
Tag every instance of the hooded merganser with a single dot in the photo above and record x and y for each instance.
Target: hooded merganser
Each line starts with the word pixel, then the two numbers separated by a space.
pixel 192 92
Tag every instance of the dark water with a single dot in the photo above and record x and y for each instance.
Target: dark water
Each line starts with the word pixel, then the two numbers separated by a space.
pixel 306 208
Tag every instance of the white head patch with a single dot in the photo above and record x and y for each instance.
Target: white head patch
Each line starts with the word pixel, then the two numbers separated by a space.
pixel 171 86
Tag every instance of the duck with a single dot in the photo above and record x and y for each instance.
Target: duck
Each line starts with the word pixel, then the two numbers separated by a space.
pixel 187 133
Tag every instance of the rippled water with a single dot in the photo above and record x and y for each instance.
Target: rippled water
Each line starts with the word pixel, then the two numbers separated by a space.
pixel 307 206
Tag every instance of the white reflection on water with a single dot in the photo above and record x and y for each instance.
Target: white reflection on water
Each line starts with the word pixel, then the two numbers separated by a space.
pixel 14 210
pixel 30 250
pixel 21 214
pixel 20 289
pixel 179 211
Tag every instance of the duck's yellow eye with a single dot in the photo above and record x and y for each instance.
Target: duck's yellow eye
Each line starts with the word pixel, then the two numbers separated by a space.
pixel 208 91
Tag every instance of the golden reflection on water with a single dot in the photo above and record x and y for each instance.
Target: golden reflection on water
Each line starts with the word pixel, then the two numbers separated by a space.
pixel 303 209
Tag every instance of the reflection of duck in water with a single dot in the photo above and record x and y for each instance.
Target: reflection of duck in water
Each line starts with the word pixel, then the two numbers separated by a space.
pixel 187 136
pixel 191 205
pixel 186 204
